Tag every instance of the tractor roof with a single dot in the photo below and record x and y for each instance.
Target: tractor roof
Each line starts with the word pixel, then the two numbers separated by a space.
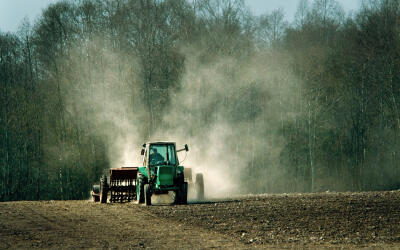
pixel 161 142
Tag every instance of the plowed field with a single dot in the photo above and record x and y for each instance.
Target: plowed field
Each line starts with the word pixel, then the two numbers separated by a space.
pixel 323 220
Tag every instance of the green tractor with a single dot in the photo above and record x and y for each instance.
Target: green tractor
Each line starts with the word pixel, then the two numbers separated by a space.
pixel 161 174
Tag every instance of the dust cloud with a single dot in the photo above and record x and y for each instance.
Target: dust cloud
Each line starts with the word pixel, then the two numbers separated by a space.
pixel 103 98
pixel 230 112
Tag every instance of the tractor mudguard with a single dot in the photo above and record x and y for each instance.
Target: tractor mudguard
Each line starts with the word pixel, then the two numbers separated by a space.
pixel 179 169
pixel 143 171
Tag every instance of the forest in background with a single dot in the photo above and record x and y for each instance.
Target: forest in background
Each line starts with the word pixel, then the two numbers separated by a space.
pixel 265 105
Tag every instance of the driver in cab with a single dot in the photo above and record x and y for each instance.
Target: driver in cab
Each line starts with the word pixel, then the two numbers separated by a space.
pixel 155 157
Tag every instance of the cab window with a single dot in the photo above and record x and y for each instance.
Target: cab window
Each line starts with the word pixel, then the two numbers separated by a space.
pixel 162 154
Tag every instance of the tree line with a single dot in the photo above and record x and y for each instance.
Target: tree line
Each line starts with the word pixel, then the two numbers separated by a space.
pixel 320 113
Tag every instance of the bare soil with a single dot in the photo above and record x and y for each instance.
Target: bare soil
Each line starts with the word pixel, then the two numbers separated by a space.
pixel 323 220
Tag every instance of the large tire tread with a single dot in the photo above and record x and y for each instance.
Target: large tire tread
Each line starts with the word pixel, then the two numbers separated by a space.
pixel 177 198
pixel 184 193
pixel 140 194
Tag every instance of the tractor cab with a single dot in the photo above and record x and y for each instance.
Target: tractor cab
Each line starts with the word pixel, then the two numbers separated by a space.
pixel 161 172
pixel 160 153
pixel 161 163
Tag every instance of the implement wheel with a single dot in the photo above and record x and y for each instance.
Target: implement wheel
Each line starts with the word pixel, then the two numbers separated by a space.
pixel 103 189
pixel 96 193
pixel 147 194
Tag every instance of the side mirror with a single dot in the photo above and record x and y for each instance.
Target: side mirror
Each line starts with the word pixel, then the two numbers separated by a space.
pixel 186 148
pixel 142 152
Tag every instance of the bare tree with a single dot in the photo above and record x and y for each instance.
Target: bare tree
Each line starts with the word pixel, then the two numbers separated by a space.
pixel 272 27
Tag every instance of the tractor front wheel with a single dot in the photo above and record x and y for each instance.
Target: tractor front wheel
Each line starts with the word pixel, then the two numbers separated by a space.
pixel 177 197
pixel 184 193
pixel 181 194
pixel 147 194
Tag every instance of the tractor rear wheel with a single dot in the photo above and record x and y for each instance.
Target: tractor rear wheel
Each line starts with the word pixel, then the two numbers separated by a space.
pixel 140 189
pixel 147 194
pixel 103 189
pixel 200 186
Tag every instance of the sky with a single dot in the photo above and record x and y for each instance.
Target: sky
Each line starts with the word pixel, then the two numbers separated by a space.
pixel 12 12
pixel 289 7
